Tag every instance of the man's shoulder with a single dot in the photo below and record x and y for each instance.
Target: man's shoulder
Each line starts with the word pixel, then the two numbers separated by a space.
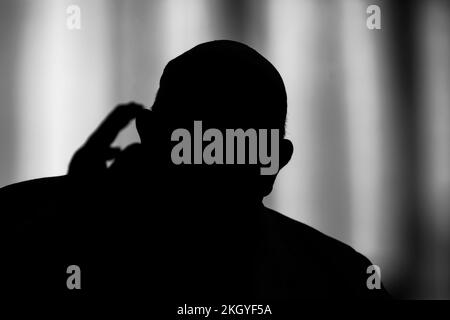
pixel 31 198
pixel 305 241
pixel 34 186
pixel 294 232
pixel 328 267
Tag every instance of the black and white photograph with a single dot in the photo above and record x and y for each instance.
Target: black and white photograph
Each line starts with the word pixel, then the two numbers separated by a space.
pixel 225 159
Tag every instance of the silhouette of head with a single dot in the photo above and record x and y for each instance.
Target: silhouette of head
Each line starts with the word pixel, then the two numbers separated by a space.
pixel 225 84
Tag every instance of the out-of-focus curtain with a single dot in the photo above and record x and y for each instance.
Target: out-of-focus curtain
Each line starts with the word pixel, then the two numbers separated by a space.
pixel 369 110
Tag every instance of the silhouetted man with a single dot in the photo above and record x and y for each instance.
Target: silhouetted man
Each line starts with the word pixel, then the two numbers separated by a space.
pixel 191 230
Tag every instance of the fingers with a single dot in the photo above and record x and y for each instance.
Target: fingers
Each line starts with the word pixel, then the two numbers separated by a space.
pixel 108 130
pixel 92 156
pixel 111 153
pixel 128 159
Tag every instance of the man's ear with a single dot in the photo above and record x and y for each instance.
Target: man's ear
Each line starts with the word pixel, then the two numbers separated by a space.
pixel 286 150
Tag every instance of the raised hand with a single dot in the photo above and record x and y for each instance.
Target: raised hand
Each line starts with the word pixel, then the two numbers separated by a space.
pixel 91 158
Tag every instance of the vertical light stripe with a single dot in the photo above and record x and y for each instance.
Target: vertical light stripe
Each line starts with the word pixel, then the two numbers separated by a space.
pixel 64 91
pixel 290 47
pixel 435 112
pixel 186 24
pixel 364 118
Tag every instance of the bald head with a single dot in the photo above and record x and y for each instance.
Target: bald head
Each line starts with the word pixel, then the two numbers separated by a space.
pixel 225 84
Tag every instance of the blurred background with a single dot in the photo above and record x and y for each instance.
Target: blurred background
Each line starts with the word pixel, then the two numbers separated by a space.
pixel 369 110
